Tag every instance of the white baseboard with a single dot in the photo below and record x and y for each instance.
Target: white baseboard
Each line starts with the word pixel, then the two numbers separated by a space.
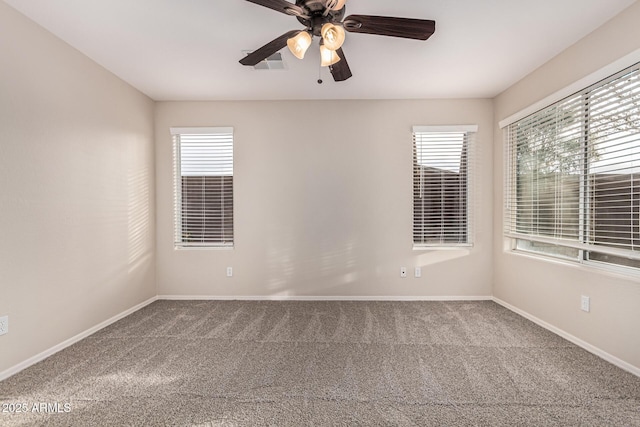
pixel 575 340
pixel 39 357
pixel 319 298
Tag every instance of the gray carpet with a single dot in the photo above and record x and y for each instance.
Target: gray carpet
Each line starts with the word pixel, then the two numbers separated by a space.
pixel 231 363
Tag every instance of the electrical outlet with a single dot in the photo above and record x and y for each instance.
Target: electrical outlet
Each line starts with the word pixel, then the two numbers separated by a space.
pixel 229 271
pixel 403 272
pixel 418 272
pixel 4 325
pixel 585 303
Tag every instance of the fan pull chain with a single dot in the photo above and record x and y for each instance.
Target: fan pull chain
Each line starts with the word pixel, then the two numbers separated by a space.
pixel 320 74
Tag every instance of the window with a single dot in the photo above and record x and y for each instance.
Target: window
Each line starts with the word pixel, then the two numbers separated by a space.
pixel 203 169
pixel 441 185
pixel 573 175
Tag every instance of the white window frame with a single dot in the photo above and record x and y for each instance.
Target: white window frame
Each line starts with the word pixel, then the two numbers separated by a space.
pixel 223 132
pixel 469 132
pixel 581 248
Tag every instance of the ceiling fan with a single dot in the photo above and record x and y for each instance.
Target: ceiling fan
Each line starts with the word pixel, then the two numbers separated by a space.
pixel 325 19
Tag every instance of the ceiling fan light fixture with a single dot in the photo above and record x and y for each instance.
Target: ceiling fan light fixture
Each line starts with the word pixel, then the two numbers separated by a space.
pixel 336 4
pixel 333 36
pixel 328 57
pixel 299 44
pixel 326 20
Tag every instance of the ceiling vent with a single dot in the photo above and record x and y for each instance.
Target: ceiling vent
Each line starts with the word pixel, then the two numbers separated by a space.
pixel 274 62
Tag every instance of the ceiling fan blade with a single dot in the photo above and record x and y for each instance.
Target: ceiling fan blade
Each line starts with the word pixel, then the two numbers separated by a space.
pixel 281 6
pixel 268 49
pixel 407 28
pixel 340 70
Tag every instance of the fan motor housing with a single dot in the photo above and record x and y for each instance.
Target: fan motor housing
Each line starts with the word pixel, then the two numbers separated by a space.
pixel 316 10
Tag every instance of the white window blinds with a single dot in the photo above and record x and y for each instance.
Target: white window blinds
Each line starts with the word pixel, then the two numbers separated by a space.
pixel 441 185
pixel 203 186
pixel 573 174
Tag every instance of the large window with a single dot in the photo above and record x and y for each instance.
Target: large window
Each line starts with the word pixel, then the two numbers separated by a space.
pixel 441 185
pixel 573 175
pixel 203 168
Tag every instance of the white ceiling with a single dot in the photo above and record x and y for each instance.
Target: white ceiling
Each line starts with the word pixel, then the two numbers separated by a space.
pixel 189 49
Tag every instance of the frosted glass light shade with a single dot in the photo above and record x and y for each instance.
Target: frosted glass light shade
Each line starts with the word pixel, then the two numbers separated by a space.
pixel 299 44
pixel 328 57
pixel 339 5
pixel 333 36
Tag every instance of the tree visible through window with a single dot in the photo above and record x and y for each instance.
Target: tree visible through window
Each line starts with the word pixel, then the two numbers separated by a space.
pixel 573 184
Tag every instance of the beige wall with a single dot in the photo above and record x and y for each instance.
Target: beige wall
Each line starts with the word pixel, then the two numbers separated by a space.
pixel 323 213
pixel 551 291
pixel 76 192
pixel 323 201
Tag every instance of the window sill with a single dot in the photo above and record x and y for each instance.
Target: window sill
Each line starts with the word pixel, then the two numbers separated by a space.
pixel 627 273
pixel 203 248
pixel 461 246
